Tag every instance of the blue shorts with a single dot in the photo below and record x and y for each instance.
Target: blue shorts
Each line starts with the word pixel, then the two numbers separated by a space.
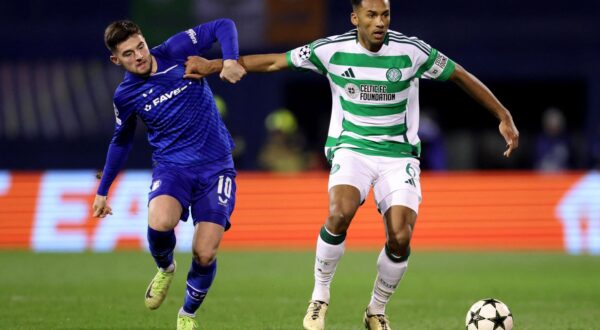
pixel 208 190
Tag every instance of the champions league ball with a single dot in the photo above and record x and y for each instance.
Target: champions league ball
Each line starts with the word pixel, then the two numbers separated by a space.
pixel 489 314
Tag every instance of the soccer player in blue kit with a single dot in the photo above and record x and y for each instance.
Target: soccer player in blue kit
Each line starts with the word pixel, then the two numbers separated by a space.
pixel 192 163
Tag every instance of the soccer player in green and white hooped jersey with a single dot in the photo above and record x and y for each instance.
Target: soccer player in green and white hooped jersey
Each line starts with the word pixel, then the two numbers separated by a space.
pixel 372 142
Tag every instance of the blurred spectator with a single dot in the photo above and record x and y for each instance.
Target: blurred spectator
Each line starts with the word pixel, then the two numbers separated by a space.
pixel 433 150
pixel 553 150
pixel 283 148
pixel 240 144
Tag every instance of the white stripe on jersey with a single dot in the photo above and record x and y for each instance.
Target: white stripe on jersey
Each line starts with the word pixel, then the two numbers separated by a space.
pixel 165 71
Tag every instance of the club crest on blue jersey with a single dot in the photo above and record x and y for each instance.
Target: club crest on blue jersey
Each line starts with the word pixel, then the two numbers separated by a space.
pixel 118 120
pixel 155 185
pixel 148 93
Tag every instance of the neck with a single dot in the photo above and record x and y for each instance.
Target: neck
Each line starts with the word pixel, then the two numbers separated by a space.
pixel 154 64
pixel 369 46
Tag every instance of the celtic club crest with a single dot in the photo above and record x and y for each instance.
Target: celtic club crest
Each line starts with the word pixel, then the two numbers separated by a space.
pixel 393 75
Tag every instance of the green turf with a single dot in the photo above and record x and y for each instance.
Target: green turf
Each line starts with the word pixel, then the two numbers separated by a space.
pixel 270 290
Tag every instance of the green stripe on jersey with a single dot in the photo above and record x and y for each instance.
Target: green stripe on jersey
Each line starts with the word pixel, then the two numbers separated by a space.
pixel 374 130
pixel 374 110
pixel 383 148
pixel 331 141
pixel 364 60
pixel 316 61
pixel 391 87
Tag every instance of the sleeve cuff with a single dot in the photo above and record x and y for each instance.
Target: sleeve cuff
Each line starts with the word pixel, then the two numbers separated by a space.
pixel 448 70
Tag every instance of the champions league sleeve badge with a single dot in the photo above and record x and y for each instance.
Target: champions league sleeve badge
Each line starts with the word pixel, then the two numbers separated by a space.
pixel 304 53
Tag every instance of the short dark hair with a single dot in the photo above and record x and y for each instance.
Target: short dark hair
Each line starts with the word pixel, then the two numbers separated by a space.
pixel 119 31
pixel 356 3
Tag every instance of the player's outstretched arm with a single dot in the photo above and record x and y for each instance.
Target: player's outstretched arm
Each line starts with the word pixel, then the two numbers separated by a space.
pixel 264 62
pixel 480 93
pixel 197 67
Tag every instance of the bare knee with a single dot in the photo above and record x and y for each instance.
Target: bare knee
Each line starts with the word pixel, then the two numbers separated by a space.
pixel 162 222
pixel 399 222
pixel 164 213
pixel 338 221
pixel 399 241
pixel 344 200
pixel 204 258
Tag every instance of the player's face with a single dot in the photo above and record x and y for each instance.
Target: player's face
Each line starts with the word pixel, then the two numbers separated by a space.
pixel 372 19
pixel 133 54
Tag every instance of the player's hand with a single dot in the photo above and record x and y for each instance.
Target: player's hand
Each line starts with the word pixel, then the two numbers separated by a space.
pixel 232 71
pixel 101 208
pixel 197 67
pixel 510 134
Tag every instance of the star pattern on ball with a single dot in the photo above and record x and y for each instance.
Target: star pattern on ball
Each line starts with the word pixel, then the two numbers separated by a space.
pixel 304 52
pixel 475 318
pixel 490 301
pixel 498 321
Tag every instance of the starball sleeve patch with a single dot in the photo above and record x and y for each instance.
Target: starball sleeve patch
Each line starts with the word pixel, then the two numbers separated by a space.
pixel 304 53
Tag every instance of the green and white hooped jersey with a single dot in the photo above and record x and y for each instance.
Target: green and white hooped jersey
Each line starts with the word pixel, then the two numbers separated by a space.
pixel 375 104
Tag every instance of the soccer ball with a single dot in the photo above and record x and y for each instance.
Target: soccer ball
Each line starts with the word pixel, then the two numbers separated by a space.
pixel 489 314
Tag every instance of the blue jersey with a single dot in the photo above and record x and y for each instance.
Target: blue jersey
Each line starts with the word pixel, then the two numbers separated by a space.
pixel 184 126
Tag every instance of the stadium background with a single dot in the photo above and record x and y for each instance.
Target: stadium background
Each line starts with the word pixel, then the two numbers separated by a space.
pixel 56 119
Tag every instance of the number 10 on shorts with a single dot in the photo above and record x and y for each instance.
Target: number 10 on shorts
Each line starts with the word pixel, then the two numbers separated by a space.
pixel 224 189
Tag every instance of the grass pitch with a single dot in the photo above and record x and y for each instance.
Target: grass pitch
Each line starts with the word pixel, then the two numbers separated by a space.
pixel 270 290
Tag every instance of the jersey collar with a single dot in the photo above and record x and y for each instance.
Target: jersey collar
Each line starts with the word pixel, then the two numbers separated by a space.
pixel 386 40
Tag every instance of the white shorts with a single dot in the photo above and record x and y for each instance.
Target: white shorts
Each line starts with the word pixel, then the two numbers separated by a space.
pixel 395 181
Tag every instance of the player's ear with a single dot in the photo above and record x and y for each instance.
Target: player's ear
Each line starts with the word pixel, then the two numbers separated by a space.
pixel 354 18
pixel 115 60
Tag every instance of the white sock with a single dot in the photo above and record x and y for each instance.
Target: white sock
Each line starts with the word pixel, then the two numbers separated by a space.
pixel 169 269
pixel 389 274
pixel 326 260
pixel 184 313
